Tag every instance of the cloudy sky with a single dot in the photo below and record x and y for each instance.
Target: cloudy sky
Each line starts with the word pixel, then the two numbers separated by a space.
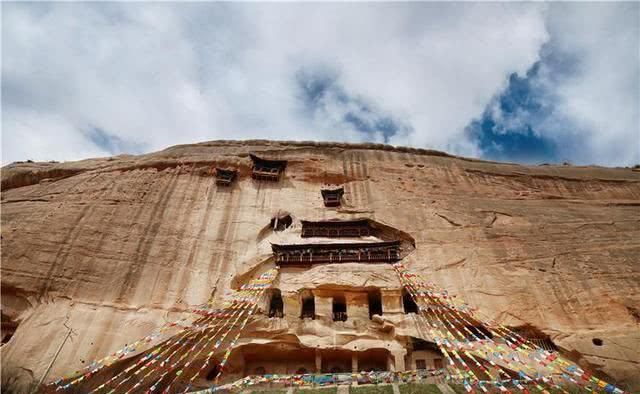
pixel 524 82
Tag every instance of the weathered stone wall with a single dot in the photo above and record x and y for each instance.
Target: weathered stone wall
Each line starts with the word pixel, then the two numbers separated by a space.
pixel 115 247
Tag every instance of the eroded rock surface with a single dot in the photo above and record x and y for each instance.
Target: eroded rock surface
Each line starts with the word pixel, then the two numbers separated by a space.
pixel 115 247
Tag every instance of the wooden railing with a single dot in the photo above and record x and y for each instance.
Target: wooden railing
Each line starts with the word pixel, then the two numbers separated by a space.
pixel 339 316
pixel 348 257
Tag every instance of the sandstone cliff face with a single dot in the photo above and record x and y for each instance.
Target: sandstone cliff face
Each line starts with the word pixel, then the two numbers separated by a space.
pixel 113 248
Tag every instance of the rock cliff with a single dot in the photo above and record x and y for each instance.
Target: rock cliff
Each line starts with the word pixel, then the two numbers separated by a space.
pixel 114 247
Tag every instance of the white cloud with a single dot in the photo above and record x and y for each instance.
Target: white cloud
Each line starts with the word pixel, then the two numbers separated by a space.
pixel 156 74
pixel 38 136
pixel 602 97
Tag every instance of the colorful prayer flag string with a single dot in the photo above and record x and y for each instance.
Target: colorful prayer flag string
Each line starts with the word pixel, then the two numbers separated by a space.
pixel 449 320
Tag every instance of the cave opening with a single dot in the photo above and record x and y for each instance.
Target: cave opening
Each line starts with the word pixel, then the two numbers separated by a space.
pixel 8 328
pixel 6 337
pixel 597 341
pixel 408 303
pixel 339 308
pixel 214 372
pixel 281 223
pixel 374 360
pixel 421 344
pixel 536 337
pixel 479 331
pixel 375 303
pixel 308 307
pixel 336 361
pixel 276 305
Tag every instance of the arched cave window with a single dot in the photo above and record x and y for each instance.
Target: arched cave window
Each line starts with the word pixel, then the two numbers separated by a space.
pixel 308 306
pixel 597 341
pixel 276 306
pixel 375 303
pixel 281 223
pixel 408 303
pixel 260 371
pixel 339 308
pixel 214 372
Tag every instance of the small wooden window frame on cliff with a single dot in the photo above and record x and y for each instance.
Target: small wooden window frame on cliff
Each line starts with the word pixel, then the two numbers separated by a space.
pixel 332 197
pixel 267 170
pixel 225 177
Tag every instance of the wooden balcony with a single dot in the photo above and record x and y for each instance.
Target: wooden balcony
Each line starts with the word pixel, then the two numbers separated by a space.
pixel 336 229
pixel 225 177
pixel 267 170
pixel 309 254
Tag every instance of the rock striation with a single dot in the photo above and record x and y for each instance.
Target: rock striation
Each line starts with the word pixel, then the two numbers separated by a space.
pixel 112 248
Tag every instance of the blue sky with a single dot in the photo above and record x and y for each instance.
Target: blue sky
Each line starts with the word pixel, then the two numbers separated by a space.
pixel 514 135
pixel 521 82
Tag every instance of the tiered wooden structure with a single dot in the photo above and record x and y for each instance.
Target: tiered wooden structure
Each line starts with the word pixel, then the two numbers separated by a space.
pixel 267 170
pixel 359 252
pixel 336 229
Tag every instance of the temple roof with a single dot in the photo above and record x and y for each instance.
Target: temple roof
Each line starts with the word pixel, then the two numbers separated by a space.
pixel 268 162
pixel 336 223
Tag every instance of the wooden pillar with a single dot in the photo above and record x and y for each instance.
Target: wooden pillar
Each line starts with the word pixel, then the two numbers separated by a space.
pixel 399 360
pixel 318 361
pixel 354 362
